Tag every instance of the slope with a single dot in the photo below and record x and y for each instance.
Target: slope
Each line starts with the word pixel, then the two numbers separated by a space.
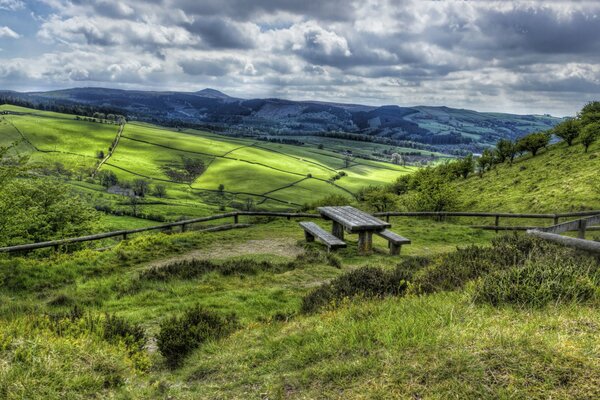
pixel 560 178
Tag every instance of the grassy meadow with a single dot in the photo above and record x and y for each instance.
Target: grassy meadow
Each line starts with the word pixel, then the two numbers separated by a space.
pixel 269 175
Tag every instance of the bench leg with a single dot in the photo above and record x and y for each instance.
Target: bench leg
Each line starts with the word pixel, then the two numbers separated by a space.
pixel 309 237
pixel 338 230
pixel 395 248
pixel 365 241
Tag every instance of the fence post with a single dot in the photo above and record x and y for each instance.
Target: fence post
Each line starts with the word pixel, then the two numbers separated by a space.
pixel 235 218
pixel 555 219
pixel 497 223
pixel 183 228
pixel 387 218
pixel 582 227
pixel 124 236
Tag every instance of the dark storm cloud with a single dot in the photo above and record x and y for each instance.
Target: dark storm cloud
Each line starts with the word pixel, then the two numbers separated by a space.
pixel 213 68
pixel 243 10
pixel 541 31
pixel 220 34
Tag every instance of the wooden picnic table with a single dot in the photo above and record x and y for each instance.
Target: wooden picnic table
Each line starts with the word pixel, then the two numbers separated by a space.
pixel 353 220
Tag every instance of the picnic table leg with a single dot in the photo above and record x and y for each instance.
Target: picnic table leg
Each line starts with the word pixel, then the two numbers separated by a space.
pixel 338 230
pixel 365 241
pixel 309 237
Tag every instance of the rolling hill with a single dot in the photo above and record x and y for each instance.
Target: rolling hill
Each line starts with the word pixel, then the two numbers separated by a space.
pixel 439 128
pixel 234 172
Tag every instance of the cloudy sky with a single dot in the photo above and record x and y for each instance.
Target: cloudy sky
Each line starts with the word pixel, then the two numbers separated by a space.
pixel 524 57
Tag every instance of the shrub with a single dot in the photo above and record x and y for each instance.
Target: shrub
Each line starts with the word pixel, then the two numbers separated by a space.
pixel 117 328
pixel 368 282
pixel 179 336
pixel 541 282
pixel 453 270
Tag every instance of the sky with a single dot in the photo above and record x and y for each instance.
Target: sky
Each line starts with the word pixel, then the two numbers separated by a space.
pixel 508 56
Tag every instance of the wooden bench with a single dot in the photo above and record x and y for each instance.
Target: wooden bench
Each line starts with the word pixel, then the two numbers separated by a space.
pixel 395 241
pixel 312 230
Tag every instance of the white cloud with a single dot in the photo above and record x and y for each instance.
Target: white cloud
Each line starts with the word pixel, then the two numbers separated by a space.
pixel 11 5
pixel 6 32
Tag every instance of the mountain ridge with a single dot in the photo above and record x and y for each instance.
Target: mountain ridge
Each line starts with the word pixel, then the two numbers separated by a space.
pixel 445 128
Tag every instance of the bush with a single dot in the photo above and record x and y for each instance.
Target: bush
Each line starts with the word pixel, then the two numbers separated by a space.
pixel 541 282
pixel 367 282
pixel 119 329
pixel 179 336
pixel 453 270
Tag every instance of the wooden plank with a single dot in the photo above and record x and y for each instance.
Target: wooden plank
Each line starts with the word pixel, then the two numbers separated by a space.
pixel 393 237
pixel 324 236
pixel 353 220
pixel 580 244
pixel 571 225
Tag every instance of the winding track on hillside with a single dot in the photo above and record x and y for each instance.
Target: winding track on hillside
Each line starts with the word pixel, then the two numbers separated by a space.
pixel 112 149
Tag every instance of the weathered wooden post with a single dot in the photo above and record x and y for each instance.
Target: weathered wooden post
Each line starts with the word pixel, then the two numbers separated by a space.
pixel 183 228
pixel 338 230
pixel 555 219
pixel 125 236
pixel 236 218
pixel 365 241
pixel 497 223
pixel 582 228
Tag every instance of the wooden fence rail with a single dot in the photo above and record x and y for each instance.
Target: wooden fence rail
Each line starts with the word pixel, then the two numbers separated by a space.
pixel 552 233
pixel 235 215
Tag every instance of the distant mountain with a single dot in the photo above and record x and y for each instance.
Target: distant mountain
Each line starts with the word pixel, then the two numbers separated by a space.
pixel 446 129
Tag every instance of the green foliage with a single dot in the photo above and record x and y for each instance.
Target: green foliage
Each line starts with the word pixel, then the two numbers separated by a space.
pixel 589 134
pixel 179 336
pixel 542 281
pixel 533 142
pixel 34 210
pixel 107 178
pixel 11 163
pixel 486 161
pixel 366 282
pixel 590 113
pixel 140 187
pixel 378 199
pixel 505 150
pixel 567 131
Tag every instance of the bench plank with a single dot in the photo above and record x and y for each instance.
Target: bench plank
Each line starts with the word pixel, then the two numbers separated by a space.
pixel 352 219
pixel 393 237
pixel 327 238
pixel 395 241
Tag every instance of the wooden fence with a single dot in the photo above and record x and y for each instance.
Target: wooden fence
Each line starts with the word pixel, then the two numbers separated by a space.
pixel 497 216
pixel 184 225
pixel 553 234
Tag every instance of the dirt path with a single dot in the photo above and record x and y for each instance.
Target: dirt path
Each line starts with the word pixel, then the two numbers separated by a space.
pixel 110 153
pixel 285 247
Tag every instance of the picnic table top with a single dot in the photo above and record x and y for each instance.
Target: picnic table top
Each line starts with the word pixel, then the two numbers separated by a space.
pixel 352 219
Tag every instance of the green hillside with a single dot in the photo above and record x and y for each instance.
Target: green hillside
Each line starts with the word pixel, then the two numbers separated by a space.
pixel 268 175
pixel 561 178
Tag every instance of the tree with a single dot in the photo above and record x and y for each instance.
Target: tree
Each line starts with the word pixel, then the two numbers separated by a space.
pixel 465 166
pixel 486 161
pixel 107 178
pixel 396 159
pixel 348 159
pixel 589 134
pixel 221 188
pixel 567 131
pixel 39 209
pixel 590 113
pixel 160 191
pixel 533 142
pixel 100 154
pixel 505 150
pixel 140 187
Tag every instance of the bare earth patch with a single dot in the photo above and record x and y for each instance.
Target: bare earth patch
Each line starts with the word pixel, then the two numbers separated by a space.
pixel 286 247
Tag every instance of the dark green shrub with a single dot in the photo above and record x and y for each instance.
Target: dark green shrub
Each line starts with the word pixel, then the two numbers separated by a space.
pixel 117 328
pixel 541 282
pixel 179 336
pixel 368 282
pixel 453 270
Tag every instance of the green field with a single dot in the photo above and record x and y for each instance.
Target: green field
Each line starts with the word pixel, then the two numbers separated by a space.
pixel 273 176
